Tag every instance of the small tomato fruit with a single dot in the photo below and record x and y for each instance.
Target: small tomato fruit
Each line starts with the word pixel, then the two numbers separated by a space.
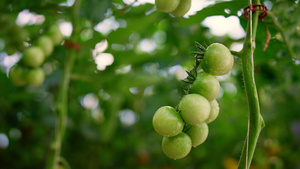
pixel 33 56
pixel 55 34
pixel 16 75
pixel 206 85
pixel 183 7
pixel 214 111
pixel 194 109
pixel 178 146
pixel 217 60
pixel 166 5
pixel 198 134
pixel 46 44
pixel 35 76
pixel 167 122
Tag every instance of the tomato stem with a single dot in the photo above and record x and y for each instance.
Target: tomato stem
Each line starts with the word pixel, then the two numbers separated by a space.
pixel 62 99
pixel 236 53
pixel 255 123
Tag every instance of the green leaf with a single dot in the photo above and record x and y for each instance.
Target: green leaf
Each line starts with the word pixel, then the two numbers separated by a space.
pixel 215 9
pixel 94 10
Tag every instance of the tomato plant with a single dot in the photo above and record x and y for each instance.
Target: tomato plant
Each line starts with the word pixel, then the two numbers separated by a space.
pixel 119 61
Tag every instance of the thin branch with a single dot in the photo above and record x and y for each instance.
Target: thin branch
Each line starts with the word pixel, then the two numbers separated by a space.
pixel 62 100
pixel 236 53
pixel 282 33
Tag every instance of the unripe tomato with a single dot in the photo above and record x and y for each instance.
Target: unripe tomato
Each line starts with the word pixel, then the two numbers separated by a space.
pixel 178 146
pixel 217 60
pixel 46 44
pixel 33 56
pixel 35 76
pixel 206 85
pixel 183 7
pixel 194 109
pixel 167 122
pixel 214 111
pixel 17 75
pixel 198 134
pixel 166 5
pixel 55 34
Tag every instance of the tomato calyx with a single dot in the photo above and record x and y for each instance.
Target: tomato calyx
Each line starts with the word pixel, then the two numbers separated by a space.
pixel 199 54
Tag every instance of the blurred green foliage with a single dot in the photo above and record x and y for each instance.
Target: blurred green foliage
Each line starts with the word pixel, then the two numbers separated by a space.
pixel 97 137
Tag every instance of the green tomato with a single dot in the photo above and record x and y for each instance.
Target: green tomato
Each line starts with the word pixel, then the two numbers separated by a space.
pixel 194 109
pixel 46 44
pixel 33 56
pixel 198 134
pixel 217 60
pixel 178 146
pixel 214 112
pixel 183 7
pixel 17 75
pixel 35 76
pixel 206 85
pixel 167 122
pixel 167 5
pixel 55 34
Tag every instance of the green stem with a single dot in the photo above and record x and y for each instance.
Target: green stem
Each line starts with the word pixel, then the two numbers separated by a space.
pixel 62 100
pixel 236 53
pixel 255 123
pixel 282 33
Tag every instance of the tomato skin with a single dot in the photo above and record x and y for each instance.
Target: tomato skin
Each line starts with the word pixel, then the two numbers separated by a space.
pixel 167 122
pixel 55 34
pixel 178 146
pixel 17 75
pixel 33 56
pixel 206 85
pixel 198 134
pixel 217 60
pixel 35 76
pixel 46 44
pixel 214 112
pixel 194 109
pixel 183 7
pixel 166 5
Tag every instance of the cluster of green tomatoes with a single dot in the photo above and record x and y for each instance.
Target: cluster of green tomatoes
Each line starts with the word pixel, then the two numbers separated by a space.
pixel 186 125
pixel 28 70
pixel 177 8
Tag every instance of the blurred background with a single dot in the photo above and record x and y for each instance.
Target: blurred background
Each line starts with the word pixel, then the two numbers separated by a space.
pixel 131 62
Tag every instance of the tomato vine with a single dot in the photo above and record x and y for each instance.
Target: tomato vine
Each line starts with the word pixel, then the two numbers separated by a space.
pixel 62 100
pixel 255 123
